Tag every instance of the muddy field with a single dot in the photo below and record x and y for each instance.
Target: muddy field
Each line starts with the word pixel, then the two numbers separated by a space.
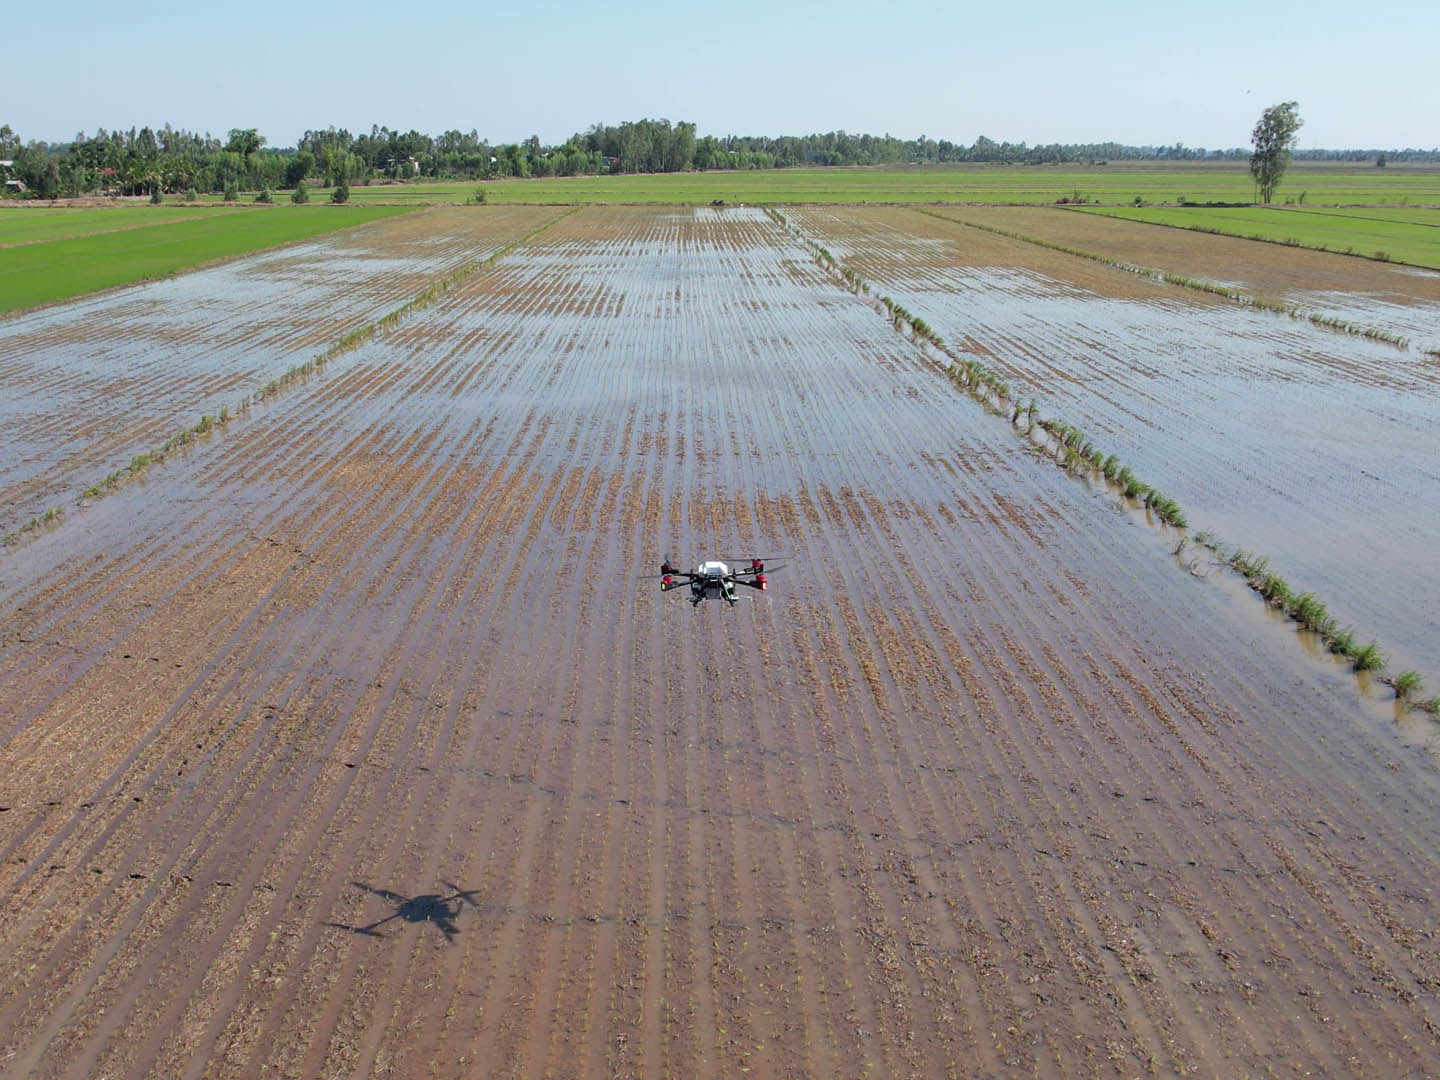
pixel 989 783
pixel 1313 447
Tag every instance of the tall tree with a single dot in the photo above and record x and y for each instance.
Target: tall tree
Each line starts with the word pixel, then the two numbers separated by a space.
pixel 1273 139
pixel 244 141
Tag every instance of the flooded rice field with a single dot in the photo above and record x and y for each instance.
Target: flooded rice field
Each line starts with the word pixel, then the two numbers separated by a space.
pixel 1404 300
pixel 352 742
pixel 89 384
pixel 1316 448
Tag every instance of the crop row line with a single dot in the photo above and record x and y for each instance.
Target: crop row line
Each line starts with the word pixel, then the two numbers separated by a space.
pixel 1073 451
pixel 140 463
pixel 1318 318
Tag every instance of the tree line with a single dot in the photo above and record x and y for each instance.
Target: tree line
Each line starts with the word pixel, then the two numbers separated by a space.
pixel 145 160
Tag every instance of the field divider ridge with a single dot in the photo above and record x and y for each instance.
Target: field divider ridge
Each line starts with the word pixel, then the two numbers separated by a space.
pixel 1070 449
pixel 208 423
pixel 1318 318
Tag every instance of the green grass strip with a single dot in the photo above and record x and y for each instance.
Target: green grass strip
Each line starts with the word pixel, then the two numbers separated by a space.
pixel 32 226
pixel 36 274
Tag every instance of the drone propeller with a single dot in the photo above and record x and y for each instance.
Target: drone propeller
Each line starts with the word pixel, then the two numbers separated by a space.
pixel 762 568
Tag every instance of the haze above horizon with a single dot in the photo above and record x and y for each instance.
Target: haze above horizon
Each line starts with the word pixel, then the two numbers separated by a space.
pixel 1130 73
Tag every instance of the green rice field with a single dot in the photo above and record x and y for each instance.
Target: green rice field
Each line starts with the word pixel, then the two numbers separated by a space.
pixel 1118 184
pixel 30 225
pixel 39 273
pixel 1414 215
pixel 1408 237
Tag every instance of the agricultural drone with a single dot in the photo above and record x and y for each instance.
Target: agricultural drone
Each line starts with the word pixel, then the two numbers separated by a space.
pixel 715 578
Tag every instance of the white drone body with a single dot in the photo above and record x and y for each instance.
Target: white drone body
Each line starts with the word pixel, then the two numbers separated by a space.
pixel 714 578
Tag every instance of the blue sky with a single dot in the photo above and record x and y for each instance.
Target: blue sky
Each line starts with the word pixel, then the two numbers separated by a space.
pixel 1364 74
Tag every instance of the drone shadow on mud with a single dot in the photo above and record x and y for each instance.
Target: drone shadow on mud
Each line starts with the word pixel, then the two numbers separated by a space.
pixel 440 909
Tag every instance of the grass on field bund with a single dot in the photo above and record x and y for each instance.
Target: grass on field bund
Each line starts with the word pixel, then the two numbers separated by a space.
pixel 40 273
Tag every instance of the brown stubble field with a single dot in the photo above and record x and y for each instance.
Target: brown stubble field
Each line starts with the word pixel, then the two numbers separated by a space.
pixel 986 784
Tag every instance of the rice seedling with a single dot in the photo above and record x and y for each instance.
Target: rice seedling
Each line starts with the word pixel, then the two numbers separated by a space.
pixel 1308 611
pixel 1341 642
pixel 55 513
pixel 1252 567
pixel 39 520
pixel 1407 684
pixel 1367 658
pixel 1276 591
pixel 1135 488
pixel 1432 706
pixel 1168 510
